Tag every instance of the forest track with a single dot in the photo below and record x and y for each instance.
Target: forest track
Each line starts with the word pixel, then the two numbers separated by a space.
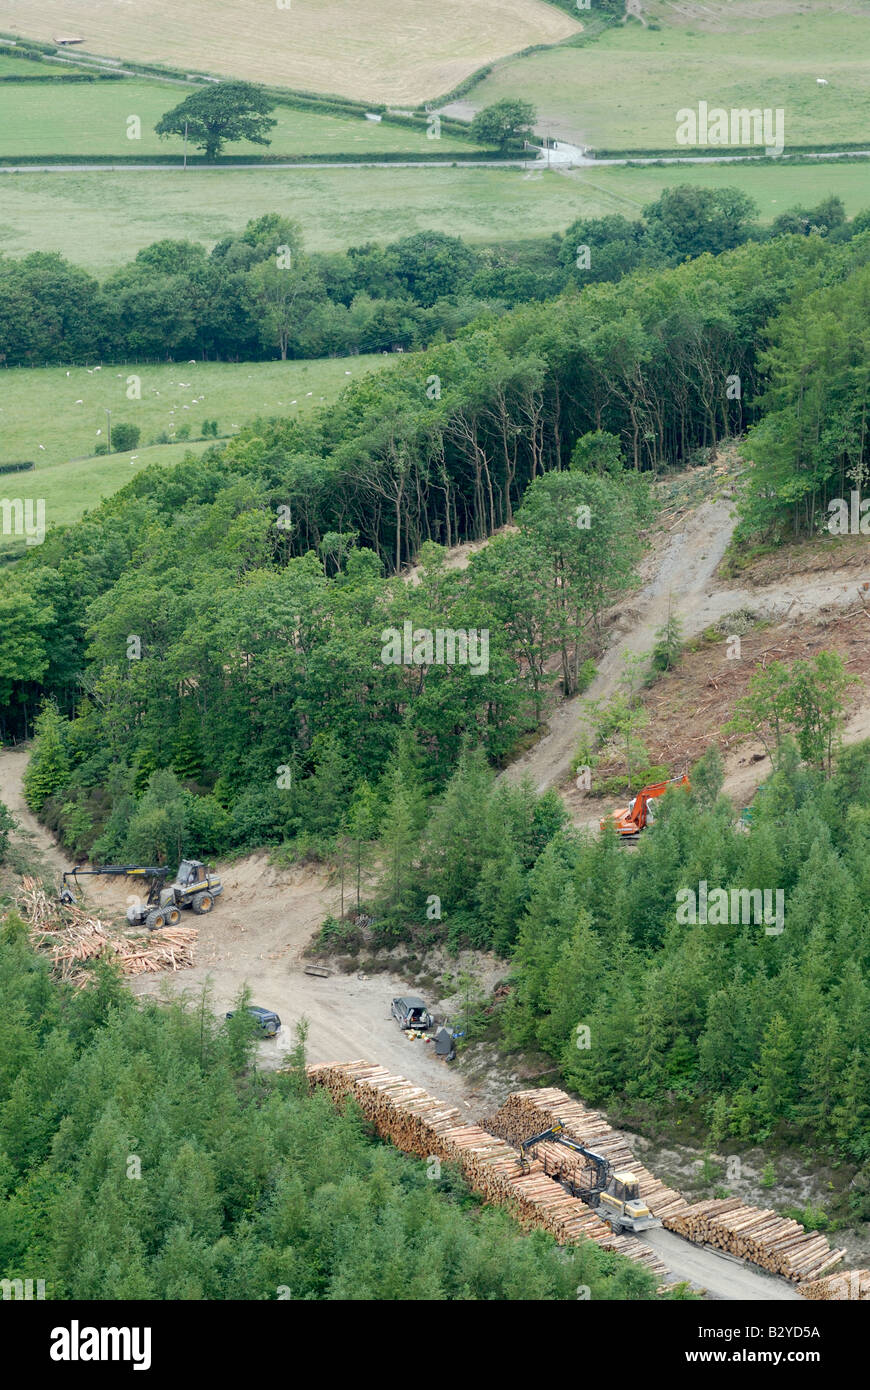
pixel 39 841
pixel 679 575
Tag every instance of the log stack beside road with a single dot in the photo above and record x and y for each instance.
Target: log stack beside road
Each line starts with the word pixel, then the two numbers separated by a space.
pixel 417 1123
pixel 845 1284
pixel 775 1243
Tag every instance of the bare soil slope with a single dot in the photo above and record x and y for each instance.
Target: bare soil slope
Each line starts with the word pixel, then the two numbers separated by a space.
pixel 808 610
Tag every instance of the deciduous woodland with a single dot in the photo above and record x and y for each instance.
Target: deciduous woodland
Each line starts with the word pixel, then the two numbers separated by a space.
pixel 260 294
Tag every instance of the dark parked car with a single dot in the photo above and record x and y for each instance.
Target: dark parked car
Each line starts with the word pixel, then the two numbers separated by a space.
pixel 410 1012
pixel 267 1021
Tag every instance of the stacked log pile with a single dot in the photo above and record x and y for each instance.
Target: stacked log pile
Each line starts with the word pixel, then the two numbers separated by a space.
pixel 846 1284
pixel 71 937
pixel 417 1123
pixel 529 1112
pixel 774 1242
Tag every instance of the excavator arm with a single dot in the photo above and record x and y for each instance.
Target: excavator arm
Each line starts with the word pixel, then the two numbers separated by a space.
pixel 631 819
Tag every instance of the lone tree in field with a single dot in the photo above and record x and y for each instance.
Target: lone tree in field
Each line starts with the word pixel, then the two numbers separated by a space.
pixel 218 113
pixel 504 122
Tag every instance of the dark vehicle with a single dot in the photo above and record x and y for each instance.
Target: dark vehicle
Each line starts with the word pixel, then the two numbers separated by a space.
pixel 411 1012
pixel 267 1021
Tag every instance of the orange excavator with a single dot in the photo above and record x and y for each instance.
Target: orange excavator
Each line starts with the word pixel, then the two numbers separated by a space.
pixel 631 819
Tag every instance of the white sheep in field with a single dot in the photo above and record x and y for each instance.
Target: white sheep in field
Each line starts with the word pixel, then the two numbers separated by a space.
pixel 822 81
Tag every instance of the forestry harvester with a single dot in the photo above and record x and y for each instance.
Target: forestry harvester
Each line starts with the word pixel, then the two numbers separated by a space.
pixel 193 887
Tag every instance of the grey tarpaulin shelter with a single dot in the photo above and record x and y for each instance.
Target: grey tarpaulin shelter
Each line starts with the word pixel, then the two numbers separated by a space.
pixel 444 1046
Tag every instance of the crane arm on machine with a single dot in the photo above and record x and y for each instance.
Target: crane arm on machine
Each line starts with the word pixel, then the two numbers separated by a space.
pixel 556 1134
pixel 631 819
pixel 153 874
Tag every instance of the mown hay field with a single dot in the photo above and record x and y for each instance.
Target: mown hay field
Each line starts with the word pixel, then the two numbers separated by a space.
pixel 377 50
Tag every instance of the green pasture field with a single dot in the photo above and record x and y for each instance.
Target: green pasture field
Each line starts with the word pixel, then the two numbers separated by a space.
pixel 623 90
pixel 69 489
pixel 38 406
pixel 24 67
pixel 92 118
pixel 101 218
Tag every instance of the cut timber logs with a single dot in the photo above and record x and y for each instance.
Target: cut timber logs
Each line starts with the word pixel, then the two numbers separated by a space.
pixel 417 1123
pixel 776 1243
pixel 773 1242
pixel 70 937
pixel 529 1112
pixel 847 1284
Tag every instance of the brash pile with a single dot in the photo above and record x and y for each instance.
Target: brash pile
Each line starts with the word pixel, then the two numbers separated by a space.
pixel 71 937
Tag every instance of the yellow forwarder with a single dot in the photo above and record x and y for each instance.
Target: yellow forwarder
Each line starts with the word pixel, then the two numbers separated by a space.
pixel 614 1195
pixel 194 887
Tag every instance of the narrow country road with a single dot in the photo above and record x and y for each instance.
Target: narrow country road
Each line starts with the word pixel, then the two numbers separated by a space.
pixel 556 163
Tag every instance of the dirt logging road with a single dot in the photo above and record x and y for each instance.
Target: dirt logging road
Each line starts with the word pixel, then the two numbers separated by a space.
pixel 257 935
pixel 679 577
pixel 680 573
pixel 13 761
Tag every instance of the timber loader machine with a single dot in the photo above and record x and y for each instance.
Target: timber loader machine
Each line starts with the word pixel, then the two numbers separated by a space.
pixel 193 887
pixel 613 1194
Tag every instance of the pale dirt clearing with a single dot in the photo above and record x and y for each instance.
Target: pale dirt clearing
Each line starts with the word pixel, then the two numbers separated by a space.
pixel 399 51
pixel 256 935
